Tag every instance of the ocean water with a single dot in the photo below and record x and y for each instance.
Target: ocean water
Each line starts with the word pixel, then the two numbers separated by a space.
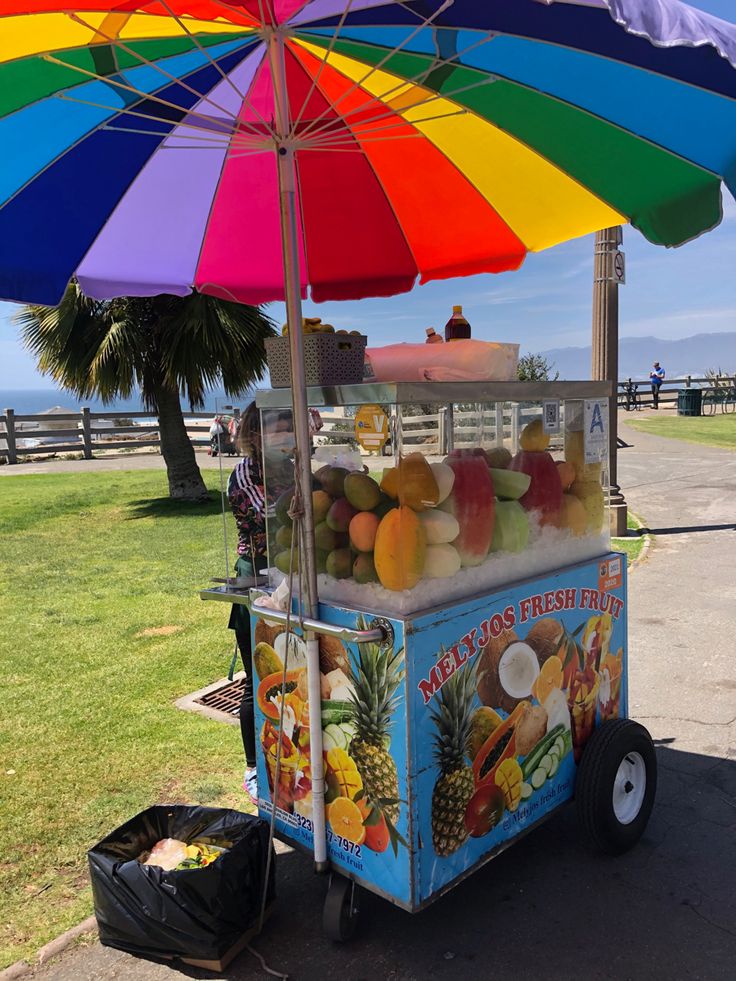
pixel 32 401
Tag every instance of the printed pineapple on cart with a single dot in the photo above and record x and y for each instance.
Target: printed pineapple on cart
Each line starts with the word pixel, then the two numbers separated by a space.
pixel 510 726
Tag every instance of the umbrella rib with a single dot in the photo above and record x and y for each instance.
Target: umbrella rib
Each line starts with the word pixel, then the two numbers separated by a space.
pixel 400 111
pixel 415 80
pixel 226 77
pixel 374 68
pixel 149 64
pixel 207 142
pixel 148 96
pixel 117 110
pixel 398 123
pixel 315 80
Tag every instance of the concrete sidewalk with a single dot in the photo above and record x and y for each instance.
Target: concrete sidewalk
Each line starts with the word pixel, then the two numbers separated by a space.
pixel 547 908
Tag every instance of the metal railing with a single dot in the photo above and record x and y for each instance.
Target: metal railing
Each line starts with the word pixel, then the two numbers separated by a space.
pixel 635 393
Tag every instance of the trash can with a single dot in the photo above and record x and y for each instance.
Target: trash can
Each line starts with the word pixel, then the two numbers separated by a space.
pixel 689 402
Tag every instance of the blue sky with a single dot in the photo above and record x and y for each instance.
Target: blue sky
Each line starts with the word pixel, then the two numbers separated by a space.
pixel 669 293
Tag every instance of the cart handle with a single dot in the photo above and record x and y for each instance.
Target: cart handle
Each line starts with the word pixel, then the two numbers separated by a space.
pixel 380 634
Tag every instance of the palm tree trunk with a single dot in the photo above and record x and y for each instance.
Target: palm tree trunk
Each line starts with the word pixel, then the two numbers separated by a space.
pixel 185 480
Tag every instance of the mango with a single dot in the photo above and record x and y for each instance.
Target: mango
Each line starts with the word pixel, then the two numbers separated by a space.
pixel 333 480
pixel 362 491
pixel 340 515
pixel 590 494
pixel 283 537
pixel 325 538
pixel 282 507
pixel 266 660
pixel 575 454
pixel 340 563
pixel 283 561
pixel 363 530
pixel 573 515
pixel 364 569
pixel 400 549
pixel 321 504
pixel 320 561
pixel 533 437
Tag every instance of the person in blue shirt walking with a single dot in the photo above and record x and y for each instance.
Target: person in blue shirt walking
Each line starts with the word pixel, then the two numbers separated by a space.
pixel 656 377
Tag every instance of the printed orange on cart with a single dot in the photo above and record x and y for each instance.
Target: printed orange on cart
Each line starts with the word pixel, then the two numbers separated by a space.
pixel 549 678
pixel 346 820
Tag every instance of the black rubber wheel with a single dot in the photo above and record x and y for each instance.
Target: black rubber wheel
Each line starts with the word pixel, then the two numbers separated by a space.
pixel 616 785
pixel 341 910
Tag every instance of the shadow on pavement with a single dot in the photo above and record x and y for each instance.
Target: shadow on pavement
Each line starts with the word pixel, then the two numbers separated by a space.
pixel 546 908
pixel 688 530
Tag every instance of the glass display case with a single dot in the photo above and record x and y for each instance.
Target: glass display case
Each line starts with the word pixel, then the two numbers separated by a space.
pixel 429 493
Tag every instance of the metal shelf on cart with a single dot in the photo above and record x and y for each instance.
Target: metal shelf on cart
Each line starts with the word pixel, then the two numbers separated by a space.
pixel 444 393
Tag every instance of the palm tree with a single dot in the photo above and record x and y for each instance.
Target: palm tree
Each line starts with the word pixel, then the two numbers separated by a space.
pixel 166 346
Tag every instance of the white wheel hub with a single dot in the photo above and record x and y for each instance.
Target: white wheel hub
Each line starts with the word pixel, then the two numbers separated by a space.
pixel 629 787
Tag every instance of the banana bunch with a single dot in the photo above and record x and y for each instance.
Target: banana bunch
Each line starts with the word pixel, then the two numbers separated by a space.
pixel 311 325
pixel 314 325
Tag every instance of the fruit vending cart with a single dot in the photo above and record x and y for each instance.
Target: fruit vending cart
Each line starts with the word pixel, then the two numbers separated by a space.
pixel 472 635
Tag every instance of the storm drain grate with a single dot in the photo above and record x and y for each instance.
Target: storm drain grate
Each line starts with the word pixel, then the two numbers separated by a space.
pixel 226 699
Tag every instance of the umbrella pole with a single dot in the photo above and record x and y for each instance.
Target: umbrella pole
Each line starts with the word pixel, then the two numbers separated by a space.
pixel 307 570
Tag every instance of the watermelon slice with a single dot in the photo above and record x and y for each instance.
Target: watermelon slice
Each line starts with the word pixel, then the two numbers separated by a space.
pixel 473 504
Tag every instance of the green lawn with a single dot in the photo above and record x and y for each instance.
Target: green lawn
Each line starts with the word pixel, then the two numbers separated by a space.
pixel 631 546
pixel 89 734
pixel 718 430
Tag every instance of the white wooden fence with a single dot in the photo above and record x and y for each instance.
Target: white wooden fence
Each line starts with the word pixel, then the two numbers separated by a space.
pixel 83 432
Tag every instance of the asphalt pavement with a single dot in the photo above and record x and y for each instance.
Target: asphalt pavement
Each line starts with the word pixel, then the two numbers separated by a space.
pixel 548 908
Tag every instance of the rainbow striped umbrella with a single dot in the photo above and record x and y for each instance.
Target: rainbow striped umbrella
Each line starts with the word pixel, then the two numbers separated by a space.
pixel 141 139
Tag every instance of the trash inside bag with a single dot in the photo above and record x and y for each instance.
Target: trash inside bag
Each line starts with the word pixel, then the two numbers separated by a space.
pixel 197 911
pixel 172 854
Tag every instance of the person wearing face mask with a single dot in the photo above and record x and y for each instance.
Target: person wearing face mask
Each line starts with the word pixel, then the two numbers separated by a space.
pixel 247 497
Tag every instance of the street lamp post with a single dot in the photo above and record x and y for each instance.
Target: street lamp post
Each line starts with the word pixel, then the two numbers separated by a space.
pixel 608 275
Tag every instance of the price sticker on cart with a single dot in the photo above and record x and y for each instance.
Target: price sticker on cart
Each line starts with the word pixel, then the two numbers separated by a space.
pixel 610 574
pixel 371 427
pixel 551 416
pixel 595 430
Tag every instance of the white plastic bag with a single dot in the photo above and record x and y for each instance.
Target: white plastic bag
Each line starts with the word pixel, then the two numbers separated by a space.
pixel 167 853
pixel 456 361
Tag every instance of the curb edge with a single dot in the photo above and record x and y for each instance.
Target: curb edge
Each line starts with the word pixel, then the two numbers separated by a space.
pixel 54 947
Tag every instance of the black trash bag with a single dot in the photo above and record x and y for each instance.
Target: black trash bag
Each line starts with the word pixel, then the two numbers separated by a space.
pixel 197 913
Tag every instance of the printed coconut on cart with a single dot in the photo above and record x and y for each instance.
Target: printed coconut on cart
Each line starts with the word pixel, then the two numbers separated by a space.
pixel 508 701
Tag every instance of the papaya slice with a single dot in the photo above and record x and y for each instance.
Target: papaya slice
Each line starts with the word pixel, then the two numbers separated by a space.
pixel 270 688
pixel 500 746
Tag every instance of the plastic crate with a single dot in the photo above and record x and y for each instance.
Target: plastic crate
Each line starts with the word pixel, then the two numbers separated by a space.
pixel 329 359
